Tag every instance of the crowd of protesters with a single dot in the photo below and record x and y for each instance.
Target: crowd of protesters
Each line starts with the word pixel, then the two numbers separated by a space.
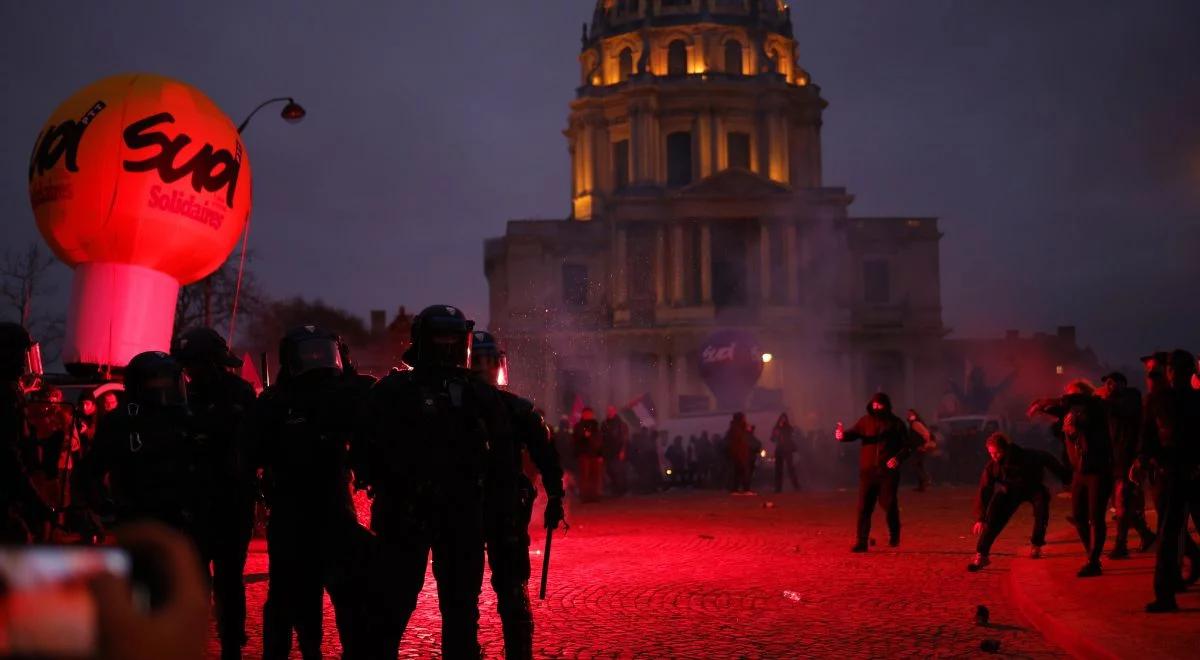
pixel 1118 448
pixel 616 456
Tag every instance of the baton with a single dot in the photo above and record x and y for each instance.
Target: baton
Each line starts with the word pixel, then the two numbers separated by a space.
pixel 546 564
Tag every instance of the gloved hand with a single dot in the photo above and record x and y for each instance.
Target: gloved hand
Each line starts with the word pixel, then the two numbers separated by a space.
pixel 554 512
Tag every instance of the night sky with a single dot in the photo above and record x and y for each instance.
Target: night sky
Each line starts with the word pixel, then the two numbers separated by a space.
pixel 1059 142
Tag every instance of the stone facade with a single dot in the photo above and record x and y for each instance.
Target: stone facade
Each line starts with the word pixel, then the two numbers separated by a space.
pixel 698 203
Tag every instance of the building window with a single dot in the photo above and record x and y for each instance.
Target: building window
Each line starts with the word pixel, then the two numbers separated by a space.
pixel 679 158
pixel 876 282
pixel 677 59
pixel 574 284
pixel 625 65
pixel 738 145
pixel 730 272
pixel 733 58
pixel 621 164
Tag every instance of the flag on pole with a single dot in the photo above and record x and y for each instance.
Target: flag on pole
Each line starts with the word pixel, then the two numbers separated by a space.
pixel 250 373
pixel 641 411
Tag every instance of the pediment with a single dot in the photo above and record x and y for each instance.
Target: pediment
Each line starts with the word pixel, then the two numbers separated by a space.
pixel 734 183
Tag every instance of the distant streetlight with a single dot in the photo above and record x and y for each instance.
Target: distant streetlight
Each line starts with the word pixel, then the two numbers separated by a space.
pixel 291 113
pixel 767 357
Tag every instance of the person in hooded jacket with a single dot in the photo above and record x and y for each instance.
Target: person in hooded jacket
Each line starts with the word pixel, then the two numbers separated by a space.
pixel 589 453
pixel 1014 475
pixel 1170 444
pixel 1124 405
pixel 298 433
pixel 739 444
pixel 886 443
pixel 783 436
pixel 1085 426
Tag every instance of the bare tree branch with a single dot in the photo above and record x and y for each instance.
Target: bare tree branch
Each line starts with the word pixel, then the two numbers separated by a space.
pixel 24 280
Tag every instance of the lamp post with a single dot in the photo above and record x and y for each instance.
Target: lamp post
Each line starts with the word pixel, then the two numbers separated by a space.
pixel 292 113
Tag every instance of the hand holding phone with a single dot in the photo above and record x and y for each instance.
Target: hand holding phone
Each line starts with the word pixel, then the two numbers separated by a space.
pixel 175 623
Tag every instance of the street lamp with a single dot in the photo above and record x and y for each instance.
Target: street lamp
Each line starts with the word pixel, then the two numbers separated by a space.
pixel 291 113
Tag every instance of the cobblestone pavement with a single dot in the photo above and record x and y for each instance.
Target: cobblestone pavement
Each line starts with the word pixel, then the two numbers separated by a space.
pixel 704 575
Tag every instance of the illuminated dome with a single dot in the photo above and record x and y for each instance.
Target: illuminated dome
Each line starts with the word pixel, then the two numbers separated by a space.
pixel 614 17
pixel 672 92
pixel 632 39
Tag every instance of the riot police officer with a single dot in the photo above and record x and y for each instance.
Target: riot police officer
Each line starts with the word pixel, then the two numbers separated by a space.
pixel 148 450
pixel 507 538
pixel 298 434
pixel 431 439
pixel 219 400
pixel 21 507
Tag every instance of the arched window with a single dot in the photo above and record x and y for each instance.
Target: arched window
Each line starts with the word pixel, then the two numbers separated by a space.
pixel 625 65
pixel 677 59
pixel 679 158
pixel 733 58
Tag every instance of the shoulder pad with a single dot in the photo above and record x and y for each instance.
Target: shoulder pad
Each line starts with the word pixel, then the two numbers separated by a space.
pixel 393 381
pixel 517 404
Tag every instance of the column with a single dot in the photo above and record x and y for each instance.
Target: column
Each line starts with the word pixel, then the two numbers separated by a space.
pixel 679 373
pixel 720 159
pixel 586 159
pixel 720 147
pixel 662 384
pixel 764 261
pixel 661 270
pixel 791 255
pixel 637 138
pixel 777 146
pixel 653 149
pixel 705 264
pixel 676 272
pixel 704 145
pixel 620 270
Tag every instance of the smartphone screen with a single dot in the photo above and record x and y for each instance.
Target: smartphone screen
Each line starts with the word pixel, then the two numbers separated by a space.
pixel 46 609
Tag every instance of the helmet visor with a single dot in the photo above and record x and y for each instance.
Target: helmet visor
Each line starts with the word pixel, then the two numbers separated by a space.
pixel 315 354
pixel 163 390
pixel 447 348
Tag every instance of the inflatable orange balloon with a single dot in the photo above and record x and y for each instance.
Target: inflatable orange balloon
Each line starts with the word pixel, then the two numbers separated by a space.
pixel 141 184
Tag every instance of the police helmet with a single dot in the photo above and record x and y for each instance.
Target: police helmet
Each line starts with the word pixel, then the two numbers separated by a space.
pixel 204 345
pixel 310 349
pixel 487 358
pixel 441 337
pixel 155 379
